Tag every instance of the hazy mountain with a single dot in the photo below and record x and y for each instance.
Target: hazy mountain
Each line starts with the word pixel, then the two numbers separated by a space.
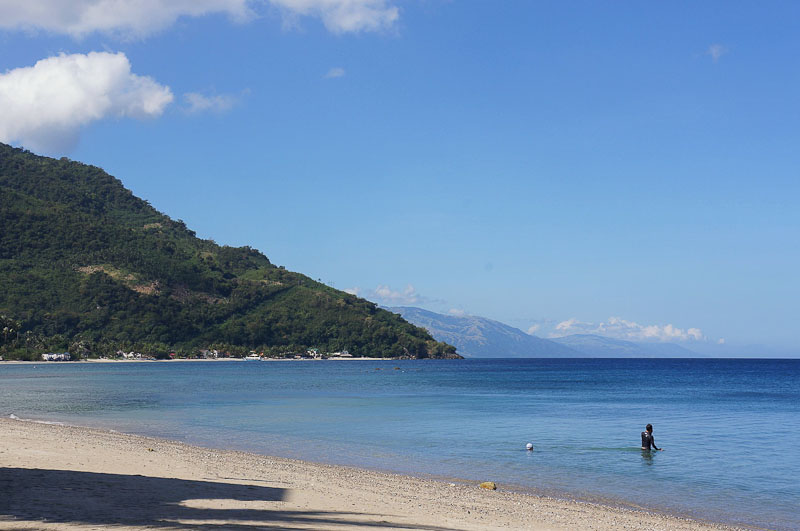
pixel 594 346
pixel 726 350
pixel 671 350
pixel 478 337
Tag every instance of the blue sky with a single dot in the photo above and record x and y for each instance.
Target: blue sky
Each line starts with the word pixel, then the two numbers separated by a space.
pixel 626 168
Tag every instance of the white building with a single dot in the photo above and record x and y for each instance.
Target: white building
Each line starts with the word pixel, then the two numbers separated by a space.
pixel 56 356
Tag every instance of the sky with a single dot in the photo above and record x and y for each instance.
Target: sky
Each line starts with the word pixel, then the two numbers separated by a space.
pixel 625 168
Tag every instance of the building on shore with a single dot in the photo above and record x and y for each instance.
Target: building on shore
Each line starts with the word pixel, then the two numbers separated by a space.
pixel 56 356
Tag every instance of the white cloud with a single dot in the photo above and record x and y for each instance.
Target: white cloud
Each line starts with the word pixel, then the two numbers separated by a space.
pixel 128 17
pixel 532 329
pixel 341 16
pixel 567 326
pixel 139 18
pixel 196 102
pixel 335 72
pixel 721 341
pixel 716 51
pixel 44 106
pixel 456 312
pixel 629 330
pixel 386 295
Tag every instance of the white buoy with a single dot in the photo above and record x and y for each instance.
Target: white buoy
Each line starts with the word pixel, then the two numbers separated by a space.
pixel 529 446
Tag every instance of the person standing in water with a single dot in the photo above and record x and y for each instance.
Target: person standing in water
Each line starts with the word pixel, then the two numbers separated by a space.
pixel 647 439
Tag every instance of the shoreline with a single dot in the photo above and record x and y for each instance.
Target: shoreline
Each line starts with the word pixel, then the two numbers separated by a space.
pixel 103 478
pixel 185 360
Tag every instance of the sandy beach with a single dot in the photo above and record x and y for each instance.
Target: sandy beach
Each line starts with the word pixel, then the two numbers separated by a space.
pixel 64 477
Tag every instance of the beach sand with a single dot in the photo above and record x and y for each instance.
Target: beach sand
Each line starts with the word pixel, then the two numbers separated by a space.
pixel 64 477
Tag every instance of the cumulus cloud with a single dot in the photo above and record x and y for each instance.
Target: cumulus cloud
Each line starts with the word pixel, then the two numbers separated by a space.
pixel 387 296
pixel 44 106
pixel 139 18
pixel 629 330
pixel 716 51
pixel 532 329
pixel 129 17
pixel 335 72
pixel 455 312
pixel 197 103
pixel 341 16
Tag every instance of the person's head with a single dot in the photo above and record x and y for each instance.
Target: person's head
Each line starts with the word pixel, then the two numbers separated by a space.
pixel 649 428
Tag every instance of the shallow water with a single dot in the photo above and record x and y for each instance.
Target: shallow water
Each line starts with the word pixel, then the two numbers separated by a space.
pixel 728 426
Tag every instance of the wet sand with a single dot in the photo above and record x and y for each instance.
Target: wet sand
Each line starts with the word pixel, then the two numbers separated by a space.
pixel 64 477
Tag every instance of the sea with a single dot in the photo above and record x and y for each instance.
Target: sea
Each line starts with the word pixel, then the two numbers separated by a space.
pixel 729 428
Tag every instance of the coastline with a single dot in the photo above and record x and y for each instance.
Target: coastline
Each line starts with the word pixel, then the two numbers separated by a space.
pixel 58 476
pixel 185 360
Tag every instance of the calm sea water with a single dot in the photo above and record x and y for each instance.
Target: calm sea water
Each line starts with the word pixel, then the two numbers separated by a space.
pixel 730 427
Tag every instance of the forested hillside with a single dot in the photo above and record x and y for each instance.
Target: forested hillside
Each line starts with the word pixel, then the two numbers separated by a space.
pixel 87 266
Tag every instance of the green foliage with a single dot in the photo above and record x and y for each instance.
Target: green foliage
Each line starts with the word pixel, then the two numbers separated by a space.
pixel 87 266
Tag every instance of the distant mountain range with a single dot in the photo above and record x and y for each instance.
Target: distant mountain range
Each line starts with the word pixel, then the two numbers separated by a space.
pixel 595 346
pixel 479 337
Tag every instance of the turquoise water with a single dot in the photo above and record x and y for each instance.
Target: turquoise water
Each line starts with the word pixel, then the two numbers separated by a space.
pixel 729 427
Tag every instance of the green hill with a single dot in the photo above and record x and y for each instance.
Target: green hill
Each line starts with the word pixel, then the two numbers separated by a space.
pixel 87 266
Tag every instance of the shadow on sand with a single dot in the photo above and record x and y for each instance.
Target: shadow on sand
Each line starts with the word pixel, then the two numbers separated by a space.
pixel 63 496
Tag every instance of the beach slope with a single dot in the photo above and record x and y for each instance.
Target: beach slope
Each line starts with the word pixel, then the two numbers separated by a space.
pixel 63 477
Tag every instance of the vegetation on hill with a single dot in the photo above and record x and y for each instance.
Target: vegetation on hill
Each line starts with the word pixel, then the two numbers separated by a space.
pixel 86 266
